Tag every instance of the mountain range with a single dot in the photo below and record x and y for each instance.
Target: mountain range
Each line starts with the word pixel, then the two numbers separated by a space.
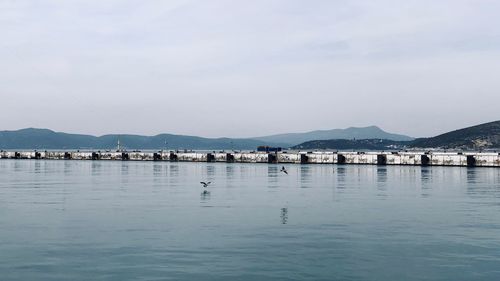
pixel 32 138
pixel 483 136
pixel 371 132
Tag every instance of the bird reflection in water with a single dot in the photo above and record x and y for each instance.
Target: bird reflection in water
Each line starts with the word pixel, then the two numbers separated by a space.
pixel 205 196
pixel 284 215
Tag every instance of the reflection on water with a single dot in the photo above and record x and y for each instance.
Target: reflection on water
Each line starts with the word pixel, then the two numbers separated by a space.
pixel 157 169
pixel 341 176
pixel 381 174
pixel 426 181
pixel 38 167
pixel 305 176
pixel 210 171
pixel 382 182
pixel 425 174
pixel 173 170
pixel 471 175
pixel 272 176
pixel 98 220
pixel 230 172
pixel 205 196
pixel 284 215
pixel 96 168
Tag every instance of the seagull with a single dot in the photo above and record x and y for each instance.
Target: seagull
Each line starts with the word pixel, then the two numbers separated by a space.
pixel 205 184
pixel 283 170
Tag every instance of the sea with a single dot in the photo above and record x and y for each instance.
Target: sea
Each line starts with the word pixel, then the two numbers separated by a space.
pixel 125 220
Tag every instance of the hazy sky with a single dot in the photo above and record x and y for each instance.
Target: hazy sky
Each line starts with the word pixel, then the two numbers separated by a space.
pixel 248 68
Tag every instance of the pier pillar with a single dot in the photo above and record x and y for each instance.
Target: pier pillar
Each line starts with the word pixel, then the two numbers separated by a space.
pixel 17 155
pixel 172 157
pixel 425 160
pixel 303 158
pixel 471 161
pixel 229 158
pixel 95 156
pixel 381 159
pixel 157 157
pixel 210 157
pixel 67 156
pixel 38 155
pixel 271 158
pixel 340 159
pixel 125 156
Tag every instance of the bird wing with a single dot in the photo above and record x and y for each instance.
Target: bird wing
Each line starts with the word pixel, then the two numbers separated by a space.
pixel 209 182
pixel 285 172
pixel 202 182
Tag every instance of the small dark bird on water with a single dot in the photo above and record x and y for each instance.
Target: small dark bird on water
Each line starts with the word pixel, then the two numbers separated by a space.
pixel 205 184
pixel 283 170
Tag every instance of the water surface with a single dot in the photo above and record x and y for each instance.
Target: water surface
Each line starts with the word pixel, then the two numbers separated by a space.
pixel 100 220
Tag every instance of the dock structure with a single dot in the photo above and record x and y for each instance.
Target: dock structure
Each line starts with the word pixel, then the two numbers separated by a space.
pixel 469 159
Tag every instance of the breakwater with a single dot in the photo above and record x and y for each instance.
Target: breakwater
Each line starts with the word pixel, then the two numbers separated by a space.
pixel 470 159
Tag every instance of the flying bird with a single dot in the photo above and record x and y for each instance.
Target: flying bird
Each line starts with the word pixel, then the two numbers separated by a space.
pixel 205 184
pixel 283 170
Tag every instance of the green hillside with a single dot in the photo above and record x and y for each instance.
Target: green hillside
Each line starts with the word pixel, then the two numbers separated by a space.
pixel 342 144
pixel 482 136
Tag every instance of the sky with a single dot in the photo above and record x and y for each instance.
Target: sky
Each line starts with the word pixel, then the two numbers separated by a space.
pixel 248 68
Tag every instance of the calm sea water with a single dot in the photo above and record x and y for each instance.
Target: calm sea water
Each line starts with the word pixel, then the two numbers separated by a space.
pixel 84 220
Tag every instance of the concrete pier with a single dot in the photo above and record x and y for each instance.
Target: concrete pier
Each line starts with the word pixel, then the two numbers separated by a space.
pixel 470 159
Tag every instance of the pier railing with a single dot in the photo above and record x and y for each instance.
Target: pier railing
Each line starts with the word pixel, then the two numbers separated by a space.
pixel 471 159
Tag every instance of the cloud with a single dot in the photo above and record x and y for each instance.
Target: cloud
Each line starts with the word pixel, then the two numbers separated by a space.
pixel 102 66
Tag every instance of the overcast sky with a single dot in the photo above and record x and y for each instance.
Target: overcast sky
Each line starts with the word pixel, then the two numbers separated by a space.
pixel 248 68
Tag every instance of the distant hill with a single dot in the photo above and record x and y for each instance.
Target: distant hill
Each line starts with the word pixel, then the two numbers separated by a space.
pixel 482 136
pixel 32 138
pixel 371 132
pixel 364 144
pixel 46 139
